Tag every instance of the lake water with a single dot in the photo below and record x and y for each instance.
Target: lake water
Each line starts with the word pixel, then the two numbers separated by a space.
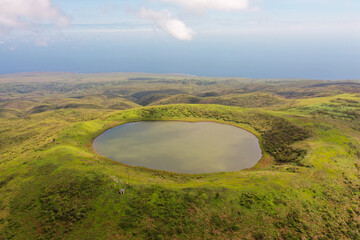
pixel 182 147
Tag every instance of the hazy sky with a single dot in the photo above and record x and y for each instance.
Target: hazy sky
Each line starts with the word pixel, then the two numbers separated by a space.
pixel 246 38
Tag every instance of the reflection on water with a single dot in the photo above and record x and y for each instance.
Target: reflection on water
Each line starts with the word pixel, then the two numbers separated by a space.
pixel 182 147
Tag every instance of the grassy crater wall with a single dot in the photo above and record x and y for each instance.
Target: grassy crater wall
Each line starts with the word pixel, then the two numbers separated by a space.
pixel 276 134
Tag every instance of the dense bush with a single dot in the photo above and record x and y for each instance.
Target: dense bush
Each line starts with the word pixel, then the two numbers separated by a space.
pixel 59 201
pixel 278 140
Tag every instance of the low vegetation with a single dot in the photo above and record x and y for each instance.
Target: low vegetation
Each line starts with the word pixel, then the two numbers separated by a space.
pixel 54 186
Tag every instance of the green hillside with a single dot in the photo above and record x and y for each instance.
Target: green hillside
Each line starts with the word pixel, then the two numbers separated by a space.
pixel 54 186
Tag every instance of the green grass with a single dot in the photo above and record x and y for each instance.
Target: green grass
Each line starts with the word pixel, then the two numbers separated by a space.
pixel 54 186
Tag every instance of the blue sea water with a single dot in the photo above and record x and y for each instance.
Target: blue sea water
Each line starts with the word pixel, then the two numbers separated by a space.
pixel 330 57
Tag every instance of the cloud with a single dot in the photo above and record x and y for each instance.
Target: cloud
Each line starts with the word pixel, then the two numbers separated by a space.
pixel 22 14
pixel 221 5
pixel 42 43
pixel 168 23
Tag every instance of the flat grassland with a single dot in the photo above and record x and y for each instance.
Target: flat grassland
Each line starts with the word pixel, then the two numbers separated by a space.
pixel 54 186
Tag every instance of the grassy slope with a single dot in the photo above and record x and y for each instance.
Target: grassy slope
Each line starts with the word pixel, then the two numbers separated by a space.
pixel 52 185
pixel 253 100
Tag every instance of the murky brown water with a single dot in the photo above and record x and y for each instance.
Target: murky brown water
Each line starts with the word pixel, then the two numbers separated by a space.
pixel 181 147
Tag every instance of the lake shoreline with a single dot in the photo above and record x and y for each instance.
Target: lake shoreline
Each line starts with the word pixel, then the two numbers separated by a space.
pixel 228 153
